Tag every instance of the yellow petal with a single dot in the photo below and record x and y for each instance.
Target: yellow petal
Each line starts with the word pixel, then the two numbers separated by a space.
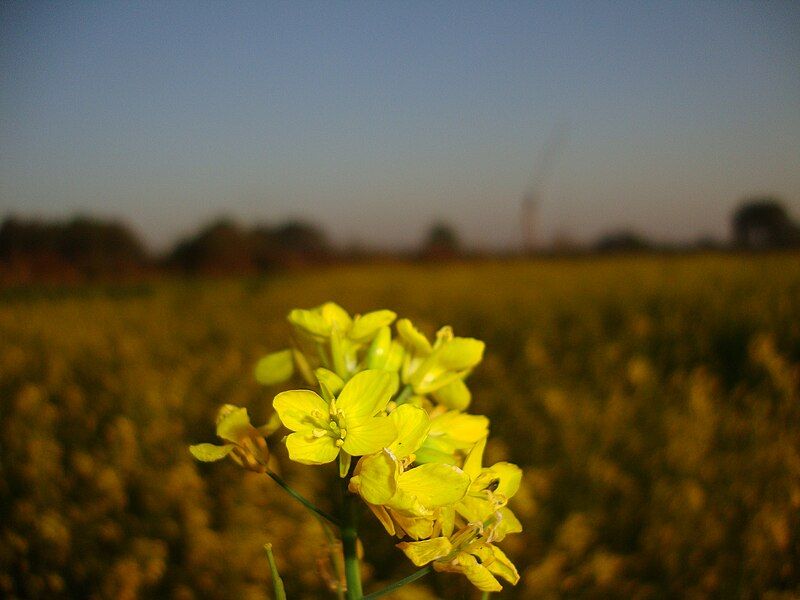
pixel 421 553
pixel 367 394
pixel 383 517
pixel 434 484
pixel 304 448
pixel 508 523
pixel 331 380
pixel 295 408
pixel 310 322
pixel 336 316
pixel 461 353
pixel 478 575
pixel 455 395
pixel 510 476
pixel 375 478
pixel 235 425
pixel 369 436
pixel 418 343
pixel 472 464
pixel 417 528
pixel 447 520
pixel 501 565
pixel 412 425
pixel 366 326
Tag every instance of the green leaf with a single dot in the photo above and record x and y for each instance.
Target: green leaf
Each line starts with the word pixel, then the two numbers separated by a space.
pixel 210 452
pixel 275 367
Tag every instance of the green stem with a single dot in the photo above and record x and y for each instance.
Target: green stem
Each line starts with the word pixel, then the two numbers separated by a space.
pixel 302 500
pixel 349 532
pixel 399 583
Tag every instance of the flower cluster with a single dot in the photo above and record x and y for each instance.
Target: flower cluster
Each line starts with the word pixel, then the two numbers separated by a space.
pixel 391 409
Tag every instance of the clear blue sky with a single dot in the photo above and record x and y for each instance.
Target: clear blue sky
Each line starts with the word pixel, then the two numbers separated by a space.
pixel 374 119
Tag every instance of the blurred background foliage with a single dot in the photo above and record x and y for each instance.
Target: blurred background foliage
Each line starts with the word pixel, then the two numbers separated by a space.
pixel 651 400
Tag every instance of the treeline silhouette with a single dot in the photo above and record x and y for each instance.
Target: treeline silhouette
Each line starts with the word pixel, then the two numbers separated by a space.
pixel 86 248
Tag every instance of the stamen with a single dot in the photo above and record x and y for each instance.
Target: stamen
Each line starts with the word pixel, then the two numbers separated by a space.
pixel 318 433
pixel 339 443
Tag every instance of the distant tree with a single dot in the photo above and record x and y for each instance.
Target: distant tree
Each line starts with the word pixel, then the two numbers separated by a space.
pixel 762 223
pixel 622 241
pixel 441 242
pixel 301 243
pixel 220 248
pixel 81 248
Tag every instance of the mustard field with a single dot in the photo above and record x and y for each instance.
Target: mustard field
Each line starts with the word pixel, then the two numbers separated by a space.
pixel 652 402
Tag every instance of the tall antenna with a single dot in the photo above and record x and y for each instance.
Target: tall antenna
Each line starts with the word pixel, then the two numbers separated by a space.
pixel 542 167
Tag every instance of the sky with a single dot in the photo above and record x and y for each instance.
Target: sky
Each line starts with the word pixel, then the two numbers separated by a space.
pixel 376 119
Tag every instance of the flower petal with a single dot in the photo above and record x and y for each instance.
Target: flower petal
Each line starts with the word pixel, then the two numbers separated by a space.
pixel 369 436
pixel 366 326
pixel 336 316
pixel 295 407
pixel 310 322
pixel 510 476
pixel 418 343
pixel 367 394
pixel 412 425
pixel 454 395
pixel 478 575
pixel 234 426
pixel 472 464
pixel 502 566
pixel 210 452
pixel 434 484
pixel 461 353
pixel 304 448
pixel 331 380
pixel 375 478
pixel 421 553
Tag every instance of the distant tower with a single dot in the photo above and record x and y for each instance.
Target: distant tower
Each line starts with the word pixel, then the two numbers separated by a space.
pixel 531 201
pixel 528 222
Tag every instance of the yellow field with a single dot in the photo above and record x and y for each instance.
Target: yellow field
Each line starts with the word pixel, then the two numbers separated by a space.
pixel 653 403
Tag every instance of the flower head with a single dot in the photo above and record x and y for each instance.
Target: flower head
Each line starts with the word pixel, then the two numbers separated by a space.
pixel 353 423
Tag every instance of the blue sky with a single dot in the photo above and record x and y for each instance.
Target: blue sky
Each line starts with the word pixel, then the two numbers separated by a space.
pixel 375 119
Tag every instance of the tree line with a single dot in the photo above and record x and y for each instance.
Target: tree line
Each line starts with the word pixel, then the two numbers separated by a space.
pixel 86 248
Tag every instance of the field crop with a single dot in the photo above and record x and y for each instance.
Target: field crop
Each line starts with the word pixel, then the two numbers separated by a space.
pixel 653 403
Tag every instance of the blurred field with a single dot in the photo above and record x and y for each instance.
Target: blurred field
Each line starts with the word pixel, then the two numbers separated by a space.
pixel 653 403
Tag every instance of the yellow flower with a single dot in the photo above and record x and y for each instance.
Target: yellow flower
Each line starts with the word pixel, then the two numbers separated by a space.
pixel 469 552
pixel 346 335
pixel 406 501
pixel 245 443
pixel 429 369
pixel 452 434
pixel 489 492
pixel 353 423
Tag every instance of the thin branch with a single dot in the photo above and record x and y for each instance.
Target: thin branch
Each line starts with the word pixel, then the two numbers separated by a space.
pixel 400 583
